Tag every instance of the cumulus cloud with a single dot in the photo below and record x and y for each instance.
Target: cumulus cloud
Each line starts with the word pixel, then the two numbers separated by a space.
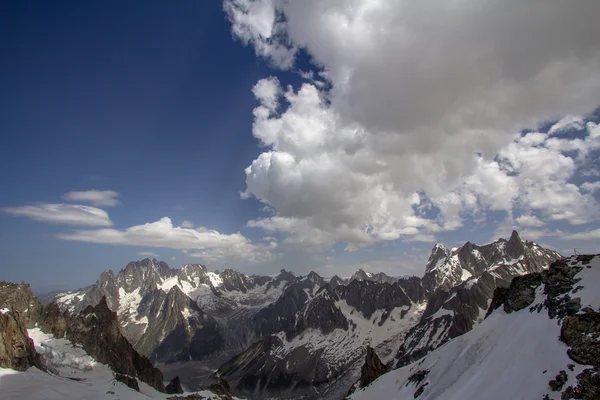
pixel 62 214
pixel 99 198
pixel 211 245
pixel 416 129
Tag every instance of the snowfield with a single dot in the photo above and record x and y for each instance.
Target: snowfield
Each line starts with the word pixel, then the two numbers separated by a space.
pixel 507 356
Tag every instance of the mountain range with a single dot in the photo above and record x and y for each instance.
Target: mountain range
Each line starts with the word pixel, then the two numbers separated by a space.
pixel 291 336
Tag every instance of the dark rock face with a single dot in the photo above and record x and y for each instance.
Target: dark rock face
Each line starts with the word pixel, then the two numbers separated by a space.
pixel 16 348
pixel 277 316
pixel 19 299
pixel 129 381
pixel 581 333
pixel 98 332
pixel 557 383
pixel 372 369
pixel 368 296
pixel 174 387
pixel 320 313
pixel 518 295
pixel 190 332
pixel 257 373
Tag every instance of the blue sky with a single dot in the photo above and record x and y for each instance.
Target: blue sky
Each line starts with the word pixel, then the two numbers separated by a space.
pixel 184 111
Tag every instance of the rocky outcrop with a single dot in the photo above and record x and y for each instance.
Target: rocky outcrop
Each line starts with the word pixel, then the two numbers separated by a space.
pixel 16 348
pixel 372 369
pixel 174 387
pixel 98 332
pixel 19 299
pixel 518 295
pixel 129 381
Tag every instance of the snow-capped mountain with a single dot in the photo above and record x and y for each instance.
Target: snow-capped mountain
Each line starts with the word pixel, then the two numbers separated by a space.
pixel 540 340
pixel 474 271
pixel 291 336
pixel 180 314
pixel 447 268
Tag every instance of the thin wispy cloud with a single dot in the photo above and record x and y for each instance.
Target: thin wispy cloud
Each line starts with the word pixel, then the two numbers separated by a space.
pixel 205 243
pixel 147 254
pixel 106 198
pixel 62 214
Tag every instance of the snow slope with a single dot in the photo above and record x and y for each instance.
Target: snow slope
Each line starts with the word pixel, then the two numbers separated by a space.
pixel 507 356
pixel 73 374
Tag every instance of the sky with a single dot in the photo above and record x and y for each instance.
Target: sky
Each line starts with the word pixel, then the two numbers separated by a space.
pixel 306 135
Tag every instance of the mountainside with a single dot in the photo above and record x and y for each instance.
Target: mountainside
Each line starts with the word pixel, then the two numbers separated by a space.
pixel 540 340
pixel 289 336
pixel 73 356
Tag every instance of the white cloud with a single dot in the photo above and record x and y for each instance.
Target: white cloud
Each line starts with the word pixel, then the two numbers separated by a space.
pixel 588 235
pixel 62 214
pixel 591 187
pixel 187 224
pixel 567 123
pixel 95 197
pixel 213 246
pixel 147 254
pixel 256 23
pixel 529 221
pixel 410 138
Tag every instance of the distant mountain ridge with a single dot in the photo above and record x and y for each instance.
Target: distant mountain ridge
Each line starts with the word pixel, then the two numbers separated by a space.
pixel 312 333
pixel 539 340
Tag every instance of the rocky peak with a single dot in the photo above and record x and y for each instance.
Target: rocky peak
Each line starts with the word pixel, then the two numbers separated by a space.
pixel 383 278
pixel 193 273
pixel 438 255
pixel 360 275
pixel 372 369
pixel 314 278
pixel 233 280
pixel 145 274
pixel 284 276
pixel 515 247
pixel 336 281
pixel 174 387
